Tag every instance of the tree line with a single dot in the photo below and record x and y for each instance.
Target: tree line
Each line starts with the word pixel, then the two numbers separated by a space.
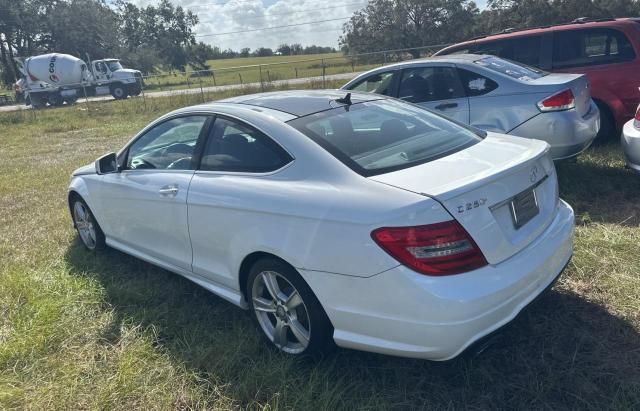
pixel 395 24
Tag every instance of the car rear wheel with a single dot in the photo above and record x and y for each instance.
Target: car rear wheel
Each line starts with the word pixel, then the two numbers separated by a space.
pixel 607 124
pixel 286 310
pixel 88 228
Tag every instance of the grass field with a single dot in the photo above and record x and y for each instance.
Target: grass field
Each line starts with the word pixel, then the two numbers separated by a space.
pixel 247 70
pixel 107 331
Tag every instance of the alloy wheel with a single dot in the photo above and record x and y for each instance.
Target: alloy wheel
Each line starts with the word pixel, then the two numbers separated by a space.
pixel 85 225
pixel 281 312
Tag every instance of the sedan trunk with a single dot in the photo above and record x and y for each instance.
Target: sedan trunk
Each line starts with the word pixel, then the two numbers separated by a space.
pixel 503 191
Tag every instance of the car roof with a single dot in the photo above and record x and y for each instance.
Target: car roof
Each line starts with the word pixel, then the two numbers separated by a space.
pixel 301 103
pixel 578 23
pixel 449 58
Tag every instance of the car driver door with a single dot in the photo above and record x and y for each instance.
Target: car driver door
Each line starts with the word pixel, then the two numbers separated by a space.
pixel 436 87
pixel 146 203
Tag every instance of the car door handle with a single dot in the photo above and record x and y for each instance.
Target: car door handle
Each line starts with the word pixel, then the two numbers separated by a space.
pixel 445 106
pixel 168 191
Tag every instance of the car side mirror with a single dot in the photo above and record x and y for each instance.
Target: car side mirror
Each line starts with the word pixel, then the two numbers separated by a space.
pixel 107 164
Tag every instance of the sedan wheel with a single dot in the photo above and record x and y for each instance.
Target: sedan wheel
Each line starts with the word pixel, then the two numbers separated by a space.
pixel 88 229
pixel 286 310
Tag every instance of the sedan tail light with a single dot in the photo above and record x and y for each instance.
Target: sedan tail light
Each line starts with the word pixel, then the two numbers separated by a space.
pixel 435 249
pixel 636 122
pixel 563 100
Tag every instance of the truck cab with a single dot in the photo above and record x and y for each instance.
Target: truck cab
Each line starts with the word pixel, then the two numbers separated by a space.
pixel 121 82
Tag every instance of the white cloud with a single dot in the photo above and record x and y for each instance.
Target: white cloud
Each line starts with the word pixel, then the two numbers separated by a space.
pixel 221 16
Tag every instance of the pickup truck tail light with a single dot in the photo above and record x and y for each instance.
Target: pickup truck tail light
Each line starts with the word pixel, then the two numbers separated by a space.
pixel 436 249
pixel 563 100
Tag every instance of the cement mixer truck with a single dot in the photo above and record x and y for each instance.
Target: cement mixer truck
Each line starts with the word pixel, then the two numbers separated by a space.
pixel 56 79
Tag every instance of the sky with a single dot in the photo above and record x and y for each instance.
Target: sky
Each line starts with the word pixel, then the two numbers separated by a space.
pixel 230 16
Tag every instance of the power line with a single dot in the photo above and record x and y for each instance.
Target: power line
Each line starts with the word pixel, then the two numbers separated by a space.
pixel 294 12
pixel 271 28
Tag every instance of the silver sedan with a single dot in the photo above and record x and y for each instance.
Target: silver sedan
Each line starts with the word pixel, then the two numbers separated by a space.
pixel 497 95
pixel 631 142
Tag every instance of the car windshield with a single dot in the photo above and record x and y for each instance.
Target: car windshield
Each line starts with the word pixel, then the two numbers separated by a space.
pixel 114 65
pixel 511 69
pixel 381 136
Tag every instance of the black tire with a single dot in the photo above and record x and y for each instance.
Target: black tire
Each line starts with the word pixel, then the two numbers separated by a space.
pixel 607 124
pixel 119 92
pixel 55 99
pixel 90 223
pixel 36 102
pixel 316 323
pixel 134 91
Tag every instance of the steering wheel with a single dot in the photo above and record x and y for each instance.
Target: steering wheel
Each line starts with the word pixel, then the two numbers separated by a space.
pixel 181 163
pixel 178 148
pixel 139 162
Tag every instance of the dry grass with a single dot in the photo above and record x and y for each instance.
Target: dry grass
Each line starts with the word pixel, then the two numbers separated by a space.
pixel 107 331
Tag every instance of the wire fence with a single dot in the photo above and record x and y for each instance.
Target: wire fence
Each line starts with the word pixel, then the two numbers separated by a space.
pixel 200 86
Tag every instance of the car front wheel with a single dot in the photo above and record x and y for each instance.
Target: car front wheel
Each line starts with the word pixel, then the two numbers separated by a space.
pixel 285 308
pixel 88 229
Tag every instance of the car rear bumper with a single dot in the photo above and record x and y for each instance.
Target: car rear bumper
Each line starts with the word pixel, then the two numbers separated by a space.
pixel 567 132
pixel 631 145
pixel 400 312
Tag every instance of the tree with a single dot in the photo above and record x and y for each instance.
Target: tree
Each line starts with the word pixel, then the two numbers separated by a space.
pixel 263 52
pixel 245 52
pixel 284 49
pixel 393 24
pixel 199 54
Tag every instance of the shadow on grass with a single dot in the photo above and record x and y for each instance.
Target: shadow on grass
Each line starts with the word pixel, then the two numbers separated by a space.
pixel 599 188
pixel 562 352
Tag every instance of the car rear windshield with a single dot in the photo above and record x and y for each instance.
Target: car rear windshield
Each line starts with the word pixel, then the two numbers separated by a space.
pixel 381 136
pixel 511 69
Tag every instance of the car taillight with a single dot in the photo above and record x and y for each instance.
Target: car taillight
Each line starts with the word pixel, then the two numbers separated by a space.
pixel 435 249
pixel 563 100
pixel 636 122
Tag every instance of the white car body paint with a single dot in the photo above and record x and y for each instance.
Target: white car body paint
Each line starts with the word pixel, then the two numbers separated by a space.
pixel 317 214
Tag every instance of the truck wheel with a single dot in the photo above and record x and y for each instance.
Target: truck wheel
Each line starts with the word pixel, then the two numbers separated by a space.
pixel 119 92
pixel 55 99
pixel 36 101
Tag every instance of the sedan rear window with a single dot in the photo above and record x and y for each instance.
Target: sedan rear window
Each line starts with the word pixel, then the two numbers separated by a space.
pixel 511 69
pixel 381 136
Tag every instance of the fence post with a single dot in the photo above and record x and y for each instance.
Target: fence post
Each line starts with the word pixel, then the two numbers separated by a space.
pixel 86 99
pixel 385 57
pixel 201 91
pixel 296 69
pixel 268 77
pixel 144 97
pixel 188 82
pixel 323 75
pixel 261 83
pixel 352 65
pixel 240 75
pixel 213 73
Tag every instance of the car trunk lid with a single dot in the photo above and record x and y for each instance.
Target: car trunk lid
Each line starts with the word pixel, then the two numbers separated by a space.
pixel 556 82
pixel 481 185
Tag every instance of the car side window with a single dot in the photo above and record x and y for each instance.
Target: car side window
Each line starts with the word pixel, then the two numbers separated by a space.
pixel 476 84
pixel 422 84
pixel 237 147
pixel 525 49
pixel 587 47
pixel 169 145
pixel 380 83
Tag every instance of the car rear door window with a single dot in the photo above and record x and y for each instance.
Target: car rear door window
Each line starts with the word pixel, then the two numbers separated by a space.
pixel 476 84
pixel 423 84
pixel 575 48
pixel 237 147
pixel 380 83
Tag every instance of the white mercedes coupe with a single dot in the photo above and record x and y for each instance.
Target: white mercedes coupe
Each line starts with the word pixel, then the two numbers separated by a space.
pixel 336 216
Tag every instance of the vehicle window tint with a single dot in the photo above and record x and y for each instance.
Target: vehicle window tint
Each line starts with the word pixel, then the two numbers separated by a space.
pixel 525 50
pixel 511 69
pixel 422 84
pixel 233 146
pixel 169 145
pixel 380 83
pixel 590 47
pixel 385 135
pixel 476 84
